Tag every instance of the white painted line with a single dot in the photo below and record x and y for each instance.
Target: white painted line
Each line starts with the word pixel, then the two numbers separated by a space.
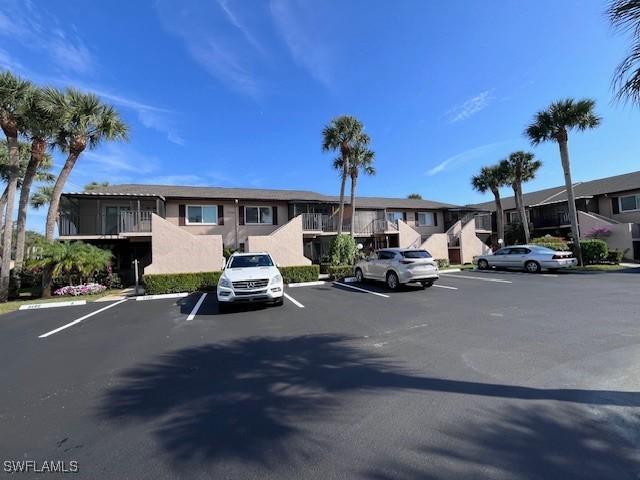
pixel 37 306
pixel 450 270
pixel 293 300
pixel 45 335
pixel 194 312
pixel 549 275
pixel 496 280
pixel 446 286
pixel 361 289
pixel 305 284
pixel 163 295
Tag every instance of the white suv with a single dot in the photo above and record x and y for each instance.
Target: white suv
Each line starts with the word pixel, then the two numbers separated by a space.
pixel 250 277
pixel 397 266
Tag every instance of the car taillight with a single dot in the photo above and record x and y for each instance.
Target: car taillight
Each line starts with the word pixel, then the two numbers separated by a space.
pixel 561 257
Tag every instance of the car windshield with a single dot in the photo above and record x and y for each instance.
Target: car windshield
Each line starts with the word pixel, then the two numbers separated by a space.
pixel 416 254
pixel 244 261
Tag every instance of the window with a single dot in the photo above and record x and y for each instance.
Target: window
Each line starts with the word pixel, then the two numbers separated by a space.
pixel 629 203
pixel 514 217
pixel 385 255
pixel 202 215
pixel 394 216
pixel 519 251
pixel 416 254
pixel 502 251
pixel 425 219
pixel 258 215
pixel 247 261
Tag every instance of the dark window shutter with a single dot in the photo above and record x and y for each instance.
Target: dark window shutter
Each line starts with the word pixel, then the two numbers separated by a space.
pixel 274 214
pixel 181 214
pixel 435 219
pixel 220 214
pixel 404 217
pixel 417 218
pixel 241 215
pixel 615 205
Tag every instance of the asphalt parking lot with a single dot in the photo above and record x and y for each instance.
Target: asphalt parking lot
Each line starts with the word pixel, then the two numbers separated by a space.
pixel 485 375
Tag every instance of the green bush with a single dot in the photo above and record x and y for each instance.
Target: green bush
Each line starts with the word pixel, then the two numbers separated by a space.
pixel 337 272
pixel 594 251
pixel 442 263
pixel 297 274
pixel 614 256
pixel 180 282
pixel 342 250
pixel 554 243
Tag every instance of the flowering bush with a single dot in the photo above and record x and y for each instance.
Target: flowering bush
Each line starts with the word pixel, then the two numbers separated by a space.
pixel 85 289
pixel 599 232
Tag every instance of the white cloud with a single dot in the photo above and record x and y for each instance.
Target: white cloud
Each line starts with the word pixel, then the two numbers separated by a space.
pixel 235 21
pixel 475 153
pixel 118 159
pixel 70 52
pixel 470 107
pixel 9 63
pixel 297 23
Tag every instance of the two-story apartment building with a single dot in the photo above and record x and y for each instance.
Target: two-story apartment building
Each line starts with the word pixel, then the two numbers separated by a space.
pixel 171 229
pixel 610 205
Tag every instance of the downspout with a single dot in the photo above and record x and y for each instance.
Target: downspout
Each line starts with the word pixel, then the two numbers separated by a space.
pixel 236 224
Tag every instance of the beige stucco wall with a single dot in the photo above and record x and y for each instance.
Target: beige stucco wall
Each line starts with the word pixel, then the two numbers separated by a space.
pixel 407 236
pixel 284 245
pixel 620 238
pixel 470 244
pixel 174 250
pixel 437 245
pixel 604 207
pixel 227 231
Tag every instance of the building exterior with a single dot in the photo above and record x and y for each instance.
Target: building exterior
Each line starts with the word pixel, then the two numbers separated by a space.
pixel 173 229
pixel 608 208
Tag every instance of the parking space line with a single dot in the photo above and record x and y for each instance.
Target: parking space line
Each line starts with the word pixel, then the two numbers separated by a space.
pixel 45 335
pixel 293 300
pixel 496 280
pixel 197 306
pixel 361 289
pixel 445 286
pixel 549 275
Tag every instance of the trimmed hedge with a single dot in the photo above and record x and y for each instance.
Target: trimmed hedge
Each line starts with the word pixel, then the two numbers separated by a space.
pixel 303 273
pixel 594 251
pixel 614 256
pixel 442 263
pixel 336 272
pixel 157 284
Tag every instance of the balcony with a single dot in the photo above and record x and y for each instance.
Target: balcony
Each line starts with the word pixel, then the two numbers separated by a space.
pixel 318 222
pixel 122 223
pixel 483 222
pixel 550 221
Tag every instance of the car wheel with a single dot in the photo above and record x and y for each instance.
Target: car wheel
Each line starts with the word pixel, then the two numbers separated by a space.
pixel 483 264
pixel 532 267
pixel 359 275
pixel 279 302
pixel 427 284
pixel 393 282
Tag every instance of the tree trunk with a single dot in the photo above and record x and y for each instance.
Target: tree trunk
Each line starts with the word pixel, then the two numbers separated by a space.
pixel 345 170
pixel 517 192
pixel 37 153
pixel 3 208
pixel 573 215
pixel 354 181
pixel 52 214
pixel 499 216
pixel 12 185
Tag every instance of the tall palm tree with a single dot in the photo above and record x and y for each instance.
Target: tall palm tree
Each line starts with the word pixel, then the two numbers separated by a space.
pixel 553 124
pixel 41 125
pixel 521 167
pixel 343 134
pixel 85 123
pixel 13 92
pixel 625 16
pixel 491 179
pixel 41 197
pixel 24 152
pixel 89 187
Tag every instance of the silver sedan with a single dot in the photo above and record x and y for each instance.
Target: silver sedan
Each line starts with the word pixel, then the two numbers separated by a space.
pixel 531 258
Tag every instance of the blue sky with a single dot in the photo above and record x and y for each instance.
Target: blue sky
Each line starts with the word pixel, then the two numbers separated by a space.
pixel 236 93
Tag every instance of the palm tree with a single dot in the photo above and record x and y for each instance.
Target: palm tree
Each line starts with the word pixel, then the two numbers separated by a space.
pixel 41 125
pixel 414 196
pixel 69 258
pixel 553 124
pixel 89 187
pixel 521 167
pixel 85 123
pixel 24 152
pixel 13 92
pixel 625 15
pixel 491 179
pixel 41 197
pixel 343 134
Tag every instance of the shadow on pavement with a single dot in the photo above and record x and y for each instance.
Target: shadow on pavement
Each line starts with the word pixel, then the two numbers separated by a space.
pixel 255 399
pixel 534 442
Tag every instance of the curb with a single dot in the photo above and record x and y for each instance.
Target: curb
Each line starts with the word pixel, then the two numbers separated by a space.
pixel 450 270
pixel 164 295
pixel 305 284
pixel 37 306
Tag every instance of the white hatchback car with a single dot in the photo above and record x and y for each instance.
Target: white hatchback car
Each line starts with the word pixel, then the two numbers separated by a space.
pixel 250 277
pixel 398 266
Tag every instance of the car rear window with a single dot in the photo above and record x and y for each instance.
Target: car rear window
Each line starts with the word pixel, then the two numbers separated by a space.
pixel 416 254
pixel 246 261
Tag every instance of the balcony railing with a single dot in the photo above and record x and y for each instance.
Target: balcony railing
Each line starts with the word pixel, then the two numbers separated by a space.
pixel 560 218
pixel 129 221
pixel 318 222
pixel 483 222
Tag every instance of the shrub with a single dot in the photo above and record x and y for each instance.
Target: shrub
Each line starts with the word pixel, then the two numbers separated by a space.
pixel 297 274
pixel 614 256
pixel 84 289
pixel 442 262
pixel 594 251
pixel 156 284
pixel 228 251
pixel 337 272
pixel 599 232
pixel 554 243
pixel 342 250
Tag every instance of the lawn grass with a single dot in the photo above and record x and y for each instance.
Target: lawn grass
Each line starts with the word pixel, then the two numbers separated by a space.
pixel 14 305
pixel 604 267
pixel 466 266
